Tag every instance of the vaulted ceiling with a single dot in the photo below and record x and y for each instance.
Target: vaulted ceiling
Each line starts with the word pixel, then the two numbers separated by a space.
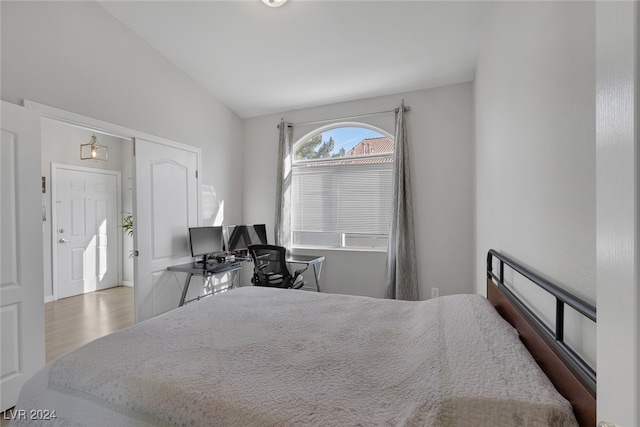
pixel 259 60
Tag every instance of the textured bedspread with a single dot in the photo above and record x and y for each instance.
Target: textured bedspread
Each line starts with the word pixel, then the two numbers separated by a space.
pixel 259 356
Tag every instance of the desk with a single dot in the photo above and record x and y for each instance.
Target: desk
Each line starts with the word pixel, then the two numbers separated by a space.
pixel 308 260
pixel 191 268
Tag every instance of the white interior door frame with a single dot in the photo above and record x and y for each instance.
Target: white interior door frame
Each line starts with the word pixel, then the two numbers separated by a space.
pixel 55 167
pixel 617 210
pixel 118 131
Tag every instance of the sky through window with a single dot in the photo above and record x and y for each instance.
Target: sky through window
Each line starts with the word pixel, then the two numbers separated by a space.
pixel 348 137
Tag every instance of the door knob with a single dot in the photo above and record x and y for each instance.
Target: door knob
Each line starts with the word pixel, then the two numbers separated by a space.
pixel 64 241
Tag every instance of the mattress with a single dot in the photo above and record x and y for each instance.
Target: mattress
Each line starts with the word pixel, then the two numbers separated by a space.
pixel 273 357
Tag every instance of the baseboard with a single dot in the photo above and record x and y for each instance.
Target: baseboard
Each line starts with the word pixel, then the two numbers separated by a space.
pixel 126 283
pixel 48 298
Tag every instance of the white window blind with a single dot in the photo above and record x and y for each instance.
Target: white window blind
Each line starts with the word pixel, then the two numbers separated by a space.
pixel 341 200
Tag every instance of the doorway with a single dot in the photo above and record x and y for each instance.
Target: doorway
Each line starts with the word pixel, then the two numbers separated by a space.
pixel 93 255
pixel 142 156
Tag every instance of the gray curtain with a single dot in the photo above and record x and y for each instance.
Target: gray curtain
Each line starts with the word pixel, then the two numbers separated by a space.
pixel 282 230
pixel 401 273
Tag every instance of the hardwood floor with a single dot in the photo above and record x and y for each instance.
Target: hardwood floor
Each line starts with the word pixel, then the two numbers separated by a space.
pixel 75 321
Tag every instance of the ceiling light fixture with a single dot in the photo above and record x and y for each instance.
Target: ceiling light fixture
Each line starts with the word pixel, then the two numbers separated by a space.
pixel 274 3
pixel 92 150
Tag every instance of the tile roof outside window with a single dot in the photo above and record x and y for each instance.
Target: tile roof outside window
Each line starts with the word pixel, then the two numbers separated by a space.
pixel 366 147
pixel 371 146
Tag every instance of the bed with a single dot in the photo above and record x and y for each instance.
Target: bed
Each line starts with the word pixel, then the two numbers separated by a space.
pixel 263 356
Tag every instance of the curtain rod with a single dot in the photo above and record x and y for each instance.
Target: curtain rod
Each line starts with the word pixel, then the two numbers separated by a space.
pixel 395 110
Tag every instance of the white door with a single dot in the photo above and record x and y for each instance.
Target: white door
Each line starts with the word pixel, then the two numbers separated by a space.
pixel 85 229
pixel 165 206
pixel 21 272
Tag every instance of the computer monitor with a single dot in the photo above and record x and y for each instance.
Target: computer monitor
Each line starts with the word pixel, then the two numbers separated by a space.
pixel 204 241
pixel 241 236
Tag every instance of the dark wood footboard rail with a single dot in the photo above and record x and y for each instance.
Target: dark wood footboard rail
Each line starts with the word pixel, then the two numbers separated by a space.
pixel 571 375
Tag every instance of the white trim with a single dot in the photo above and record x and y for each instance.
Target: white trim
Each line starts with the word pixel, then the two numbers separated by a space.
pixel 107 128
pixel 617 219
pixel 55 167
pixel 126 283
pixel 342 249
pixel 48 298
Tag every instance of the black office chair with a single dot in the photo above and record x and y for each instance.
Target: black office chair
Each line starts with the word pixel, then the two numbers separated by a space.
pixel 270 268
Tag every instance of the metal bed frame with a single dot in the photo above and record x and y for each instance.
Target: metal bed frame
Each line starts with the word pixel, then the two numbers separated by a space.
pixel 569 373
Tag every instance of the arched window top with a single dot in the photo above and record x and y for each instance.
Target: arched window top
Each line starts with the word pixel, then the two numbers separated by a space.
pixel 343 140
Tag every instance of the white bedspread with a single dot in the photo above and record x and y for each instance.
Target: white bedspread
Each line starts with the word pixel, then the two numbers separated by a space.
pixel 260 356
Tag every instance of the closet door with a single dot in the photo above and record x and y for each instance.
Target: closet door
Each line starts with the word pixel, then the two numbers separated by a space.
pixel 21 272
pixel 166 196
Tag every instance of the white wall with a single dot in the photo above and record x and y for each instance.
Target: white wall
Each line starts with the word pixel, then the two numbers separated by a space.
pixel 77 57
pixel 535 141
pixel 535 146
pixel 441 148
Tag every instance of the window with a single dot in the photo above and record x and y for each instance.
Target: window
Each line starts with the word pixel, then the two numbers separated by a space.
pixel 342 183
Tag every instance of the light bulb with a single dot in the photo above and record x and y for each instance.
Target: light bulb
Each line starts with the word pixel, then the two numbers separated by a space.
pixel 274 3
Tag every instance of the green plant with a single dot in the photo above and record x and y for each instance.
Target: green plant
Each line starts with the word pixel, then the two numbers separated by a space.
pixel 127 224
